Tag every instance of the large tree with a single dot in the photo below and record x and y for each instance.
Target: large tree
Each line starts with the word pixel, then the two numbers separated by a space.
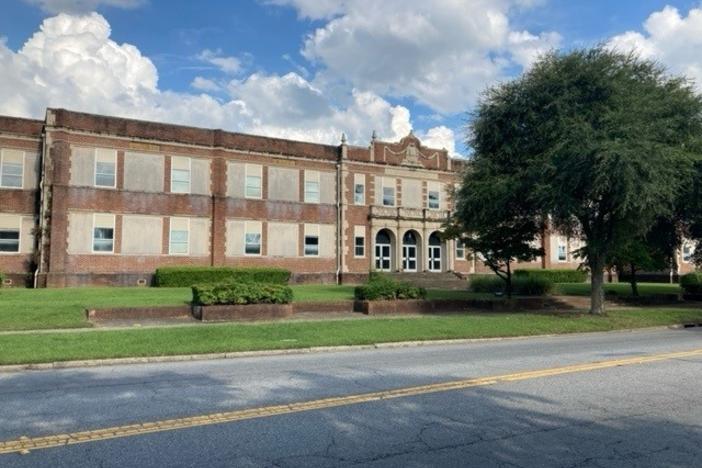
pixel 600 140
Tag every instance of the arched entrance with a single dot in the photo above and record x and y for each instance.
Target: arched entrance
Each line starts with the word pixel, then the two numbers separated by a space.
pixel 434 253
pixel 383 250
pixel 410 252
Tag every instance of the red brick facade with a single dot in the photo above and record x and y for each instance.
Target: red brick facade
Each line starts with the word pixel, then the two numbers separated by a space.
pixel 64 200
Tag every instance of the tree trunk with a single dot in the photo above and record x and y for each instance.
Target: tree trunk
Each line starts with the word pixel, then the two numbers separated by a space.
pixel 632 280
pixel 597 291
pixel 509 280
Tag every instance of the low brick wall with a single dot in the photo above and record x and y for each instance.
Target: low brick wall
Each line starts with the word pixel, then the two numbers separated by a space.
pixel 442 306
pixel 323 307
pixel 242 312
pixel 140 313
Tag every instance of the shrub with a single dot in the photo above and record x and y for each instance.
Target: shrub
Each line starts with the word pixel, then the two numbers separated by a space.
pixel 486 283
pixel 554 275
pixel 241 293
pixel 691 283
pixel 521 285
pixel 185 276
pixel 382 288
pixel 2 279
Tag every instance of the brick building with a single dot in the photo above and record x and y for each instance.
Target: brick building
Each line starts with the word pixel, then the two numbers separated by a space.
pixel 90 199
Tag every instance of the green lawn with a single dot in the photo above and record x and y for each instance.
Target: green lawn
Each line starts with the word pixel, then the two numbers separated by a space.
pixel 622 289
pixel 71 345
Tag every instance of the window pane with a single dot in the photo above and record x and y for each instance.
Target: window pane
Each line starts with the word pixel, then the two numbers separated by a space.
pixel 179 242
pixel 359 194
pixel 105 174
pixel 312 192
pixel 253 186
pixel 253 243
pixel 180 187
pixel 311 245
pixel 9 240
pixel 388 196
pixel 180 181
pixel 359 246
pixel 562 252
pixel 103 239
pixel 433 197
pixel 11 175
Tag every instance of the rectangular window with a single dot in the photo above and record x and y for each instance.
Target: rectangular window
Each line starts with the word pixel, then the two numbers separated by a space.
pixel 179 237
pixel 562 253
pixel 252 238
pixel 105 168
pixel 9 240
pixel 359 189
pixel 433 199
pixel 180 174
pixel 687 252
pixel 388 196
pixel 311 187
pixel 359 246
pixel 460 250
pixel 103 233
pixel 253 181
pixel 11 168
pixel 311 246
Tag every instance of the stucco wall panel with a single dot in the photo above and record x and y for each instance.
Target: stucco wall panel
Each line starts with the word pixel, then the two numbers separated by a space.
pixel 143 172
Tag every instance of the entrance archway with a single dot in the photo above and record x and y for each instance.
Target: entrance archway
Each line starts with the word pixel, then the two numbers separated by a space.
pixel 383 250
pixel 435 253
pixel 410 251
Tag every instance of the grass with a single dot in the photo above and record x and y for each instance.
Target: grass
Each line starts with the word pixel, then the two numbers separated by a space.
pixel 72 345
pixel 621 289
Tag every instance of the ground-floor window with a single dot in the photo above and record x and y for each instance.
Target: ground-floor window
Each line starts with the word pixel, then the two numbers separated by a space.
pixel 9 240
pixel 359 246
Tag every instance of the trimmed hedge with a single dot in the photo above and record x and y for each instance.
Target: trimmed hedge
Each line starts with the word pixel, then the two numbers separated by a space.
pixel 521 285
pixel 382 288
pixel 691 283
pixel 174 277
pixel 554 275
pixel 231 293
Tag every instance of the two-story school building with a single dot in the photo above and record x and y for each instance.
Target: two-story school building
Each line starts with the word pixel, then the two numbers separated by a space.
pixel 92 199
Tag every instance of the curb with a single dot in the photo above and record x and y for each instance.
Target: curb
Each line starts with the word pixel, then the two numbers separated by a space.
pixel 293 351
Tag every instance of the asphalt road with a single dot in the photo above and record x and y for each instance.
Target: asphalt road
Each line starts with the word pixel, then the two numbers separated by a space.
pixel 647 414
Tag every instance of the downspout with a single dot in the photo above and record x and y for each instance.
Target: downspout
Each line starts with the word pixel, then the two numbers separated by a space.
pixel 42 208
pixel 339 215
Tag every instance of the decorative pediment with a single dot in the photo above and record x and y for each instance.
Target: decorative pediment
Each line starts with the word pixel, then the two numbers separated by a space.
pixel 411 152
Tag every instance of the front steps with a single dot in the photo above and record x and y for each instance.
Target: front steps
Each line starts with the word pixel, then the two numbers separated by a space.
pixel 446 280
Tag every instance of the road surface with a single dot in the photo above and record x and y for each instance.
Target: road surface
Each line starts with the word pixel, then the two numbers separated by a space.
pixel 642 407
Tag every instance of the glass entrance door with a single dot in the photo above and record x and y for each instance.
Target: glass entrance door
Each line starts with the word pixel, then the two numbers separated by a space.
pixel 434 253
pixel 382 257
pixel 409 258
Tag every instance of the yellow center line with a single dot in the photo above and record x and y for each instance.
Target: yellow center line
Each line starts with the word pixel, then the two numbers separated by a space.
pixel 25 444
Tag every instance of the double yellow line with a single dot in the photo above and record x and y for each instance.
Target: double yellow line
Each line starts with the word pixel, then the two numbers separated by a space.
pixel 26 444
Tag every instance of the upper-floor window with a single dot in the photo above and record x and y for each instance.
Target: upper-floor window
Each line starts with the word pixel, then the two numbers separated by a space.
pixel 688 251
pixel 103 233
pixel 179 236
pixel 180 174
pixel 254 179
pixel 388 195
pixel 311 187
pixel 433 199
pixel 105 168
pixel 11 168
pixel 359 189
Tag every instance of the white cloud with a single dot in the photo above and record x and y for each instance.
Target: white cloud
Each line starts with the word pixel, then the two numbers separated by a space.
pixel 230 65
pixel 442 53
pixel 72 62
pixel 82 6
pixel 670 38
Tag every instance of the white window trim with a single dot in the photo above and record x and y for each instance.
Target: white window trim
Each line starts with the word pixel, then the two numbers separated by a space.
pixel 260 242
pixel 438 200
pixel 190 174
pixel 682 253
pixel 311 230
pixel 354 246
pixel 92 235
pixel 259 175
pixel 359 179
pixel 24 163
pixel 304 244
pixel 95 161
pixel 394 193
pixel 170 237
pixel 312 177
pixel 558 258
pixel 19 244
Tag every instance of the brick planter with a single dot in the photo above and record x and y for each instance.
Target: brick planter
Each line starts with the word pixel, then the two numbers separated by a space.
pixel 242 312
pixel 323 307
pixel 139 313
pixel 443 306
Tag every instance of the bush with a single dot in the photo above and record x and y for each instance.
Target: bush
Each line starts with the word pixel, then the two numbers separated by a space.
pixel 691 283
pixel 486 283
pixel 185 276
pixel 521 285
pixel 381 288
pixel 554 275
pixel 2 279
pixel 241 293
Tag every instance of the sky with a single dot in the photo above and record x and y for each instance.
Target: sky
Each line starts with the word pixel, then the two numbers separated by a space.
pixel 312 69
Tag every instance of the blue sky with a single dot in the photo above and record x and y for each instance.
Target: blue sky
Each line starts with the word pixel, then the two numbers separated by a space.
pixel 309 69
